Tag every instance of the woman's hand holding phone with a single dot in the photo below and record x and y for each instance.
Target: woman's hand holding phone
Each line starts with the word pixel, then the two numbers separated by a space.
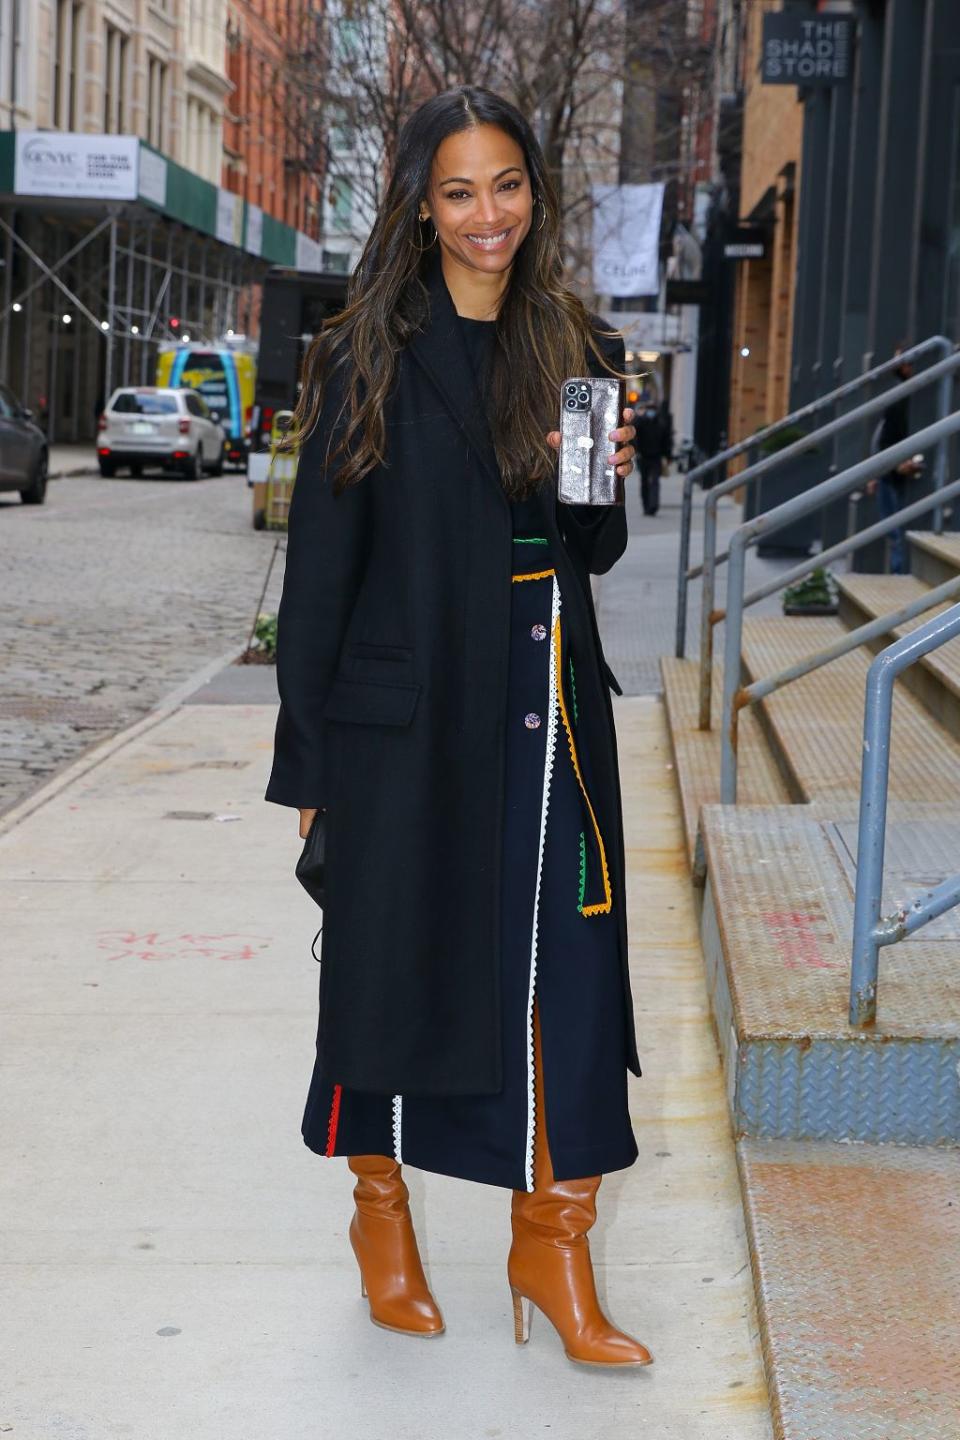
pixel 623 456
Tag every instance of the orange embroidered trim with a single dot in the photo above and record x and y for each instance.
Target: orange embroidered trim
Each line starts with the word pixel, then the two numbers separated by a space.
pixel 536 575
pixel 334 1120
pixel 606 905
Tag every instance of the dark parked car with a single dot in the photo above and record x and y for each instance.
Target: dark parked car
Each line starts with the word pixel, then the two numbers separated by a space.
pixel 23 451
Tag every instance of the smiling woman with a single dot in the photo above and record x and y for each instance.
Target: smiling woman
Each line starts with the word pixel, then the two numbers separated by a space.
pixel 445 704
pixel 487 214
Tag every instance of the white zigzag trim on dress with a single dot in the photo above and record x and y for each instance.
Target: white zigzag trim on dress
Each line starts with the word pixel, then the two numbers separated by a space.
pixel 397 1127
pixel 552 725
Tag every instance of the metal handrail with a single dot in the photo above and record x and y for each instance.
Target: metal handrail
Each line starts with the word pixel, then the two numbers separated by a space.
pixel 747 534
pixel 850 640
pixel 684 573
pixel 876 531
pixel 870 930
pixel 942 372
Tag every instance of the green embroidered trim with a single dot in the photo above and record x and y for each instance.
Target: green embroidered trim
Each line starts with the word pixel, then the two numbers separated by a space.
pixel 583 871
pixel 573 691
pixel 530 540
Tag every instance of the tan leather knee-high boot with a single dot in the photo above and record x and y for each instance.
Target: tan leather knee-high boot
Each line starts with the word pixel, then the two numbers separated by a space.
pixel 549 1264
pixel 383 1240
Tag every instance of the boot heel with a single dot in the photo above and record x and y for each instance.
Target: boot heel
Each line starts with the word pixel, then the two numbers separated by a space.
pixel 522 1309
pixel 363 1287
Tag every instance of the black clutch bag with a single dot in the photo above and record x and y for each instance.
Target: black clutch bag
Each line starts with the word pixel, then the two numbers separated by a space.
pixel 310 866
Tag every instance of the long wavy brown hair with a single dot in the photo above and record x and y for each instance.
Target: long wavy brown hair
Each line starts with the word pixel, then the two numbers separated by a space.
pixel 543 330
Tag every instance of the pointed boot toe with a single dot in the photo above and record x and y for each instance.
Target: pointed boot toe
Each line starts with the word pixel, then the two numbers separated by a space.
pixel 611 1349
pixel 549 1264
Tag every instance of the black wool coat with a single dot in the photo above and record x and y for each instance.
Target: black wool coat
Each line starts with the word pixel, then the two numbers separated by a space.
pixel 392 670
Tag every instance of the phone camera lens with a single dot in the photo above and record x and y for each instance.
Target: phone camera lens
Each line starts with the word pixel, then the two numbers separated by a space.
pixel 571 403
pixel 571 389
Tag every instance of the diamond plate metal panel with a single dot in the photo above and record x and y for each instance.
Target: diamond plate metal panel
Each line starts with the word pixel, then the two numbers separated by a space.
pixel 856 1259
pixel 904 1093
pixel 776 927
pixel 918 854
pixel 817 722
pixel 875 595
pixel 696 752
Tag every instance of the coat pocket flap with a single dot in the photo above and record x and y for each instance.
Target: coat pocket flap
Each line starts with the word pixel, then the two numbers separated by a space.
pixel 370 702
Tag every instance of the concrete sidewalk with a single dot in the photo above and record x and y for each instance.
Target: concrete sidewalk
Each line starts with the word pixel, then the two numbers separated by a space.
pixel 79 459
pixel 176 1261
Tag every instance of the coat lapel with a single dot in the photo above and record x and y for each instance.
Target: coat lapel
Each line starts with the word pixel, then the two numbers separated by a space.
pixel 441 351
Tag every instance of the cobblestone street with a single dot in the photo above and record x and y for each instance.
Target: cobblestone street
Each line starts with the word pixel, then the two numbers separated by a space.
pixel 119 591
pixel 115 593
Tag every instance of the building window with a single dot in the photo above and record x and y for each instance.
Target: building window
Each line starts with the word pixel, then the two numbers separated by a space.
pixel 341 203
pixel 156 102
pixel 342 133
pixel 203 140
pixel 11 43
pixel 335 261
pixel 67 44
pixel 114 81
pixel 347 41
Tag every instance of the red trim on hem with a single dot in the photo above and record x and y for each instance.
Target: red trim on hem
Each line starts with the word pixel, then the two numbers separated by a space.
pixel 334 1120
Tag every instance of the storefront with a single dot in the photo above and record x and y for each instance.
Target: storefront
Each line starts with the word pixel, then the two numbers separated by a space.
pixel 110 252
pixel 878 255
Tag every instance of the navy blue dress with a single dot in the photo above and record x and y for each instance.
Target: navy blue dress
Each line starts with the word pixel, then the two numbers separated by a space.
pixel 558 937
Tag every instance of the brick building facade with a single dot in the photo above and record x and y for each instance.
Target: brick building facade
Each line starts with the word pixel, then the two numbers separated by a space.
pixel 765 289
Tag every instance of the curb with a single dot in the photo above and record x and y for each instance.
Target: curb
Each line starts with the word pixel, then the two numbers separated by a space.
pixel 102 750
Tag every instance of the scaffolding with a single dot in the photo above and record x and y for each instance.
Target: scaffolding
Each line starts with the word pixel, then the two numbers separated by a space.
pixel 90 292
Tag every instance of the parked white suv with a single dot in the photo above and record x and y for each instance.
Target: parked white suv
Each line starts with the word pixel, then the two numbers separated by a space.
pixel 173 429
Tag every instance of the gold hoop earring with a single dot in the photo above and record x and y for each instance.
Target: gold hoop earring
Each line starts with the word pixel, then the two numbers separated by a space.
pixel 423 220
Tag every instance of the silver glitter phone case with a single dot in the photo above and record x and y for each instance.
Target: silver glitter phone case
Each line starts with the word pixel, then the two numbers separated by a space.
pixel 589 410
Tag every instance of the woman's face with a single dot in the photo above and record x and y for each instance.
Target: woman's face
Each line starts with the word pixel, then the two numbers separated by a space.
pixel 480 198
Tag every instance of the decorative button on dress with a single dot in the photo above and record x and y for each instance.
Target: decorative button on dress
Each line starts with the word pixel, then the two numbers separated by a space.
pixel 559 947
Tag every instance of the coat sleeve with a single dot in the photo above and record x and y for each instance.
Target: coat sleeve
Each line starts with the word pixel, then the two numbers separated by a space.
pixel 327 546
pixel 597 532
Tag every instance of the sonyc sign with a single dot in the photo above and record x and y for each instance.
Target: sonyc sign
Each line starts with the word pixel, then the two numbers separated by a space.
pixel 96 166
pixel 39 152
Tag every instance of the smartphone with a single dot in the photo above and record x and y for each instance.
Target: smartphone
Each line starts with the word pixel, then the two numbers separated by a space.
pixel 589 410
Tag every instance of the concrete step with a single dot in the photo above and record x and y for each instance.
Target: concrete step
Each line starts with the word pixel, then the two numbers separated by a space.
pixel 696 752
pixel 816 725
pixel 855 1251
pixel 934 558
pixel 935 680
pixel 776 930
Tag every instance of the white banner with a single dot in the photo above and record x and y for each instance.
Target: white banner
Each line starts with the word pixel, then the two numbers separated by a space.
pixel 254 242
pixel 153 177
pixel 229 217
pixel 50 162
pixel 309 253
pixel 626 239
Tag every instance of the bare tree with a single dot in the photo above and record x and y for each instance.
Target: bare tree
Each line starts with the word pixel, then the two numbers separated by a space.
pixel 602 82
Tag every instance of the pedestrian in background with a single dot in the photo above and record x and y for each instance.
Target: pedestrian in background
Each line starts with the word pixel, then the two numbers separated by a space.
pixel 445 708
pixel 893 427
pixel 654 445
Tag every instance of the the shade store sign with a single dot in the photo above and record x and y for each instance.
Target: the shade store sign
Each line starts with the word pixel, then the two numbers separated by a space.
pixel 800 50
